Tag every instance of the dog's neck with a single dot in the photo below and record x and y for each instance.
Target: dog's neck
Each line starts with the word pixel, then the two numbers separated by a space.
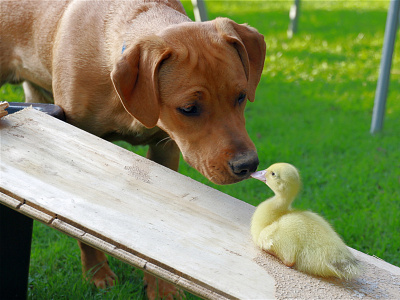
pixel 140 27
pixel 134 25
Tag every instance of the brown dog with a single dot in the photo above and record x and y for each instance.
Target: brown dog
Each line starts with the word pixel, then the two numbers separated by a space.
pixel 139 71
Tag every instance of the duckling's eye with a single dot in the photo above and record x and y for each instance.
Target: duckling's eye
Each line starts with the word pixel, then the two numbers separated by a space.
pixel 273 174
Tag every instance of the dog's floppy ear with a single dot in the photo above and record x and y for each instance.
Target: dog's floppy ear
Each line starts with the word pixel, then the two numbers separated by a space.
pixel 250 46
pixel 135 78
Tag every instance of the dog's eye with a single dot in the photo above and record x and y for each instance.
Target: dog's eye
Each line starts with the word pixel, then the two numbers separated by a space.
pixel 241 98
pixel 190 110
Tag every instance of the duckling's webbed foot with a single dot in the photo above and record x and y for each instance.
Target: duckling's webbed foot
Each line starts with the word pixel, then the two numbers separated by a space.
pixel 286 262
pixel 289 264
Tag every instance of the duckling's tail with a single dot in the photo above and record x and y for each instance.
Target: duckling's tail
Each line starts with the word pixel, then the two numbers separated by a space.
pixel 346 268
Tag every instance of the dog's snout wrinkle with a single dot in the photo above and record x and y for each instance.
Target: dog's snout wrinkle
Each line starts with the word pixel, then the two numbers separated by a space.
pixel 244 164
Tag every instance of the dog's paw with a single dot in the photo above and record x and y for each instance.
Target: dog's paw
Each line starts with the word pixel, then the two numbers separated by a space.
pixel 159 289
pixel 103 277
pixel 3 106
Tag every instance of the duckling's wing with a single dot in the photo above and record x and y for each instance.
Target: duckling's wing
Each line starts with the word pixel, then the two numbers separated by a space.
pixel 277 242
pixel 323 252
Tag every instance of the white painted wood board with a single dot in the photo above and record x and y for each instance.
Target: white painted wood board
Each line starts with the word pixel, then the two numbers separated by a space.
pixel 141 212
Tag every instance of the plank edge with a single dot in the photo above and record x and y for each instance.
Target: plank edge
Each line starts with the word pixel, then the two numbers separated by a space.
pixel 112 248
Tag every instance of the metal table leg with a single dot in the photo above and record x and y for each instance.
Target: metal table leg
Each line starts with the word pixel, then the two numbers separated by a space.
pixel 386 64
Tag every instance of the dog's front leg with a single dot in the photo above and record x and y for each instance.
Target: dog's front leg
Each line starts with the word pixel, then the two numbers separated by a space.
pixel 166 153
pixel 36 94
pixel 95 267
pixel 94 262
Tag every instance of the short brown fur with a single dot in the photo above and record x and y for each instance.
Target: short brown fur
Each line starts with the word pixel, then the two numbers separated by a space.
pixel 129 70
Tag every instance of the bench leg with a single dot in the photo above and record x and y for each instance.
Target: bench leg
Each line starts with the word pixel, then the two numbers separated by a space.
pixel 15 251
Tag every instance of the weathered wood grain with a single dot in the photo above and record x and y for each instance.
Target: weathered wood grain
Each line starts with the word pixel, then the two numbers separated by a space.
pixel 140 212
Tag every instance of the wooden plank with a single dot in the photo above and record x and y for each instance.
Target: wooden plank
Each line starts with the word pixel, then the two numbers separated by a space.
pixel 150 216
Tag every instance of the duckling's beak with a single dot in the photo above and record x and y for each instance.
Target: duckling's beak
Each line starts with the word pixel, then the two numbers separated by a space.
pixel 260 175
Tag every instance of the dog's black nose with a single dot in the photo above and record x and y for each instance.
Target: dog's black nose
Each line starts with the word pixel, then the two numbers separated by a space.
pixel 244 164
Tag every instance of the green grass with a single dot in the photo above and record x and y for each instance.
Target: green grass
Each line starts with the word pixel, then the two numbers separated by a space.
pixel 313 109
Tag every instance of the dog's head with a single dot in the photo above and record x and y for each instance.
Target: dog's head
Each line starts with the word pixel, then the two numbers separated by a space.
pixel 193 81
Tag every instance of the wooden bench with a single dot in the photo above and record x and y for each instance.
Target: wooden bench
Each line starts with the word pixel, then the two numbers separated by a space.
pixel 153 218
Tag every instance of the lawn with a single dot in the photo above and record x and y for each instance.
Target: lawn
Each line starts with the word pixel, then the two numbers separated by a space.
pixel 313 109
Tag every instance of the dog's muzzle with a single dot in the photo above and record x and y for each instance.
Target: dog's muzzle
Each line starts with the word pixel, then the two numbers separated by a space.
pixel 244 164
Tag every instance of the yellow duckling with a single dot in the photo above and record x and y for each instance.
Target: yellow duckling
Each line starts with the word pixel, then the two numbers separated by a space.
pixel 300 239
